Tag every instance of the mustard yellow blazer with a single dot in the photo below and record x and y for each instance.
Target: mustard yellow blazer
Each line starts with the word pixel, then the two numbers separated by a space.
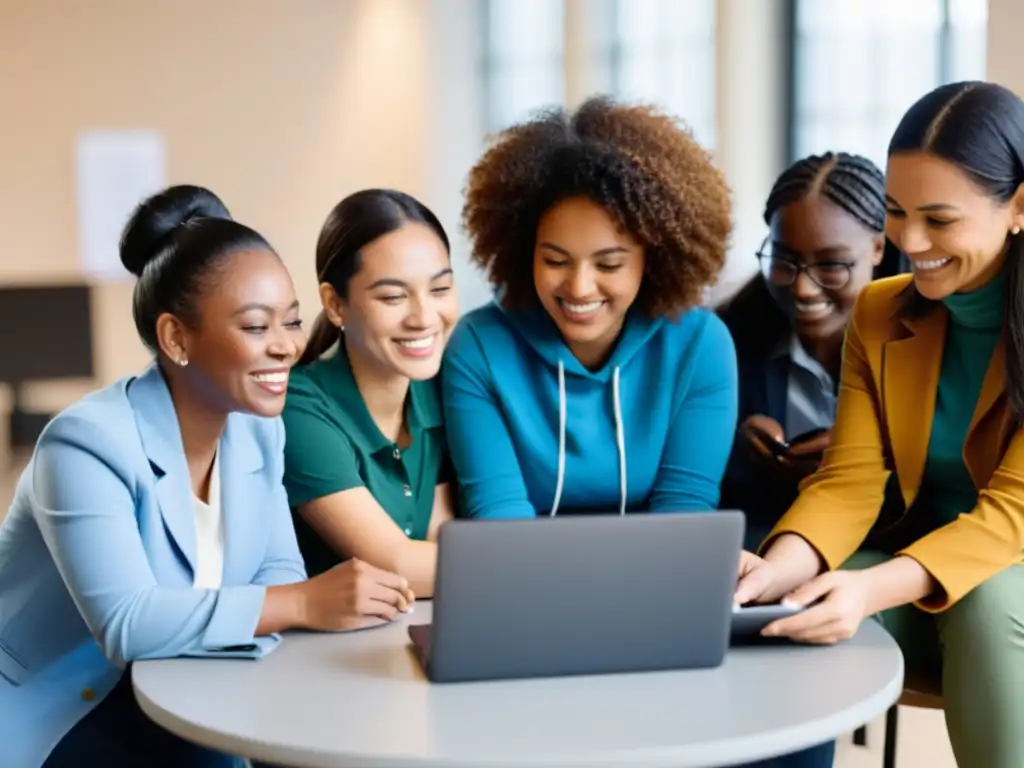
pixel 883 423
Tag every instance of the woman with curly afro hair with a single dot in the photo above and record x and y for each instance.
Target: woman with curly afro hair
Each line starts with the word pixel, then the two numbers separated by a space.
pixel 594 380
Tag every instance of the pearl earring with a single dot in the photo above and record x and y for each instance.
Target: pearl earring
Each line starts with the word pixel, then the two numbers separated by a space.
pixel 1015 230
pixel 183 362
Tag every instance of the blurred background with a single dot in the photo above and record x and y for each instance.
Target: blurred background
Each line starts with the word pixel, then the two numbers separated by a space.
pixel 283 107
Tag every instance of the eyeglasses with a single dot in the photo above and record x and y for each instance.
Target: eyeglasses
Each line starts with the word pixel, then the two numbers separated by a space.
pixel 782 271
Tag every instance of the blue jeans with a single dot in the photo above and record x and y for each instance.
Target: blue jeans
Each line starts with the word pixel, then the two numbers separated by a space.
pixel 821 756
pixel 116 734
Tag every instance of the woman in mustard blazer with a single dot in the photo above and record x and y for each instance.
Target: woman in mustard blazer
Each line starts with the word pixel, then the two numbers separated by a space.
pixel 932 390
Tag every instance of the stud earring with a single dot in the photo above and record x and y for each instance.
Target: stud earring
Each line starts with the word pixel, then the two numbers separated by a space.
pixel 183 362
pixel 1015 230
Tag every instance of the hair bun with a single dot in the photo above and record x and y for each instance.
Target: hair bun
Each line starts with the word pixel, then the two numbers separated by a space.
pixel 155 219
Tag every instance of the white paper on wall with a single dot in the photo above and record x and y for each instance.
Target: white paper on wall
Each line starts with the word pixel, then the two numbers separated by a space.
pixel 115 171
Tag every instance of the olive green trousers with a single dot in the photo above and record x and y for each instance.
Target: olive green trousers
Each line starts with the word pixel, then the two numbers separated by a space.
pixel 977 647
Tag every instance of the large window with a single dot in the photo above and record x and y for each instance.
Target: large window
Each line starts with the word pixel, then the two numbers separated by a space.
pixel 859 64
pixel 663 52
pixel 523 59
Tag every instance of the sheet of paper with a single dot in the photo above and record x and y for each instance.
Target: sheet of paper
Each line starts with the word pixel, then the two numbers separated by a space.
pixel 115 171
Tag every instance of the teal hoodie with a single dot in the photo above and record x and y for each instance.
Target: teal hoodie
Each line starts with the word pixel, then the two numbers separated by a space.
pixel 532 431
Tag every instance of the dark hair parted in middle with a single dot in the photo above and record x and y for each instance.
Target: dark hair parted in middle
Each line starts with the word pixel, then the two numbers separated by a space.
pixel 353 224
pixel 641 166
pixel 173 242
pixel 978 127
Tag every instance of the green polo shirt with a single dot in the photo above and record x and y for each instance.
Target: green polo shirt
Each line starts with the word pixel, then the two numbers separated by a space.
pixel 332 444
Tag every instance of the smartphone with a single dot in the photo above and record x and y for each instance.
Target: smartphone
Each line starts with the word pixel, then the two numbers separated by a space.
pixel 778 448
pixel 803 437
pixel 749 620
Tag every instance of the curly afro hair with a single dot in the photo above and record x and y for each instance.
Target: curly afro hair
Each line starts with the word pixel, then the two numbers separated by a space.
pixel 643 167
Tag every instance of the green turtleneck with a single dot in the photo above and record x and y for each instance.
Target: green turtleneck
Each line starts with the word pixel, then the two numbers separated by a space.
pixel 975 324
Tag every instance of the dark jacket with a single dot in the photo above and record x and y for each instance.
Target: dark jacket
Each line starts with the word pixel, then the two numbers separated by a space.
pixel 758 326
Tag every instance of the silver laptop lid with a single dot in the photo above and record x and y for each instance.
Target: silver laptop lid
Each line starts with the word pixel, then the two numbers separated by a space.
pixel 583 594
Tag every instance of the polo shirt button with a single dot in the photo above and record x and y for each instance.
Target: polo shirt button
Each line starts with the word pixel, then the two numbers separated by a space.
pixel 408 531
pixel 88 694
pixel 397 454
pixel 407 490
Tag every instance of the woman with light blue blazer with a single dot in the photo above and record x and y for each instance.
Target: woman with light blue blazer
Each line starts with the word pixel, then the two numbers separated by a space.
pixel 152 521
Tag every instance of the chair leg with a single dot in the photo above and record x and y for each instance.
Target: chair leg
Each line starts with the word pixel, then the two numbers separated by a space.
pixel 860 737
pixel 891 723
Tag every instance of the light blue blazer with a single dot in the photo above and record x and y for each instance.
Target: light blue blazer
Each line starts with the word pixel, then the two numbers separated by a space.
pixel 98 549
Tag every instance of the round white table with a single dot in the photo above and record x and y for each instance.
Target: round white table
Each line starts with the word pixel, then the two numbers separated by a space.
pixel 361 699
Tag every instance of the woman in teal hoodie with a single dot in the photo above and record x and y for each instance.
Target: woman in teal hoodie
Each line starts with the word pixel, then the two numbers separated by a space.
pixel 593 383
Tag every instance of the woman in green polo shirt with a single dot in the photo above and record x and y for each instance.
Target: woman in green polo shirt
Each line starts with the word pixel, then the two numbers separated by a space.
pixel 365 455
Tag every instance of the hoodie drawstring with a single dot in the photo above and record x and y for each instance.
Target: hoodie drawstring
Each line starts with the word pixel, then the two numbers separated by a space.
pixel 561 439
pixel 620 439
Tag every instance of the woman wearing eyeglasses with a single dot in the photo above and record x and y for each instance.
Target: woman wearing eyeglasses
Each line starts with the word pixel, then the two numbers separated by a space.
pixel 826 214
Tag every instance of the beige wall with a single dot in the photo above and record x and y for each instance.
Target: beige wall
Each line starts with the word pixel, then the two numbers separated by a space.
pixel 750 79
pixel 280 106
pixel 284 106
pixel 1005 33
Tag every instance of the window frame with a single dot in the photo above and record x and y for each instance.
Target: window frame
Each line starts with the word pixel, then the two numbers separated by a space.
pixel 946 47
pixel 491 66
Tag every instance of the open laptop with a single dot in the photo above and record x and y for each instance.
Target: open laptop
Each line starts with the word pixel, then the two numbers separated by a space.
pixel 584 594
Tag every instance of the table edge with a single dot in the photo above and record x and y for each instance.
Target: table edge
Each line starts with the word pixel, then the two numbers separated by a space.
pixel 789 739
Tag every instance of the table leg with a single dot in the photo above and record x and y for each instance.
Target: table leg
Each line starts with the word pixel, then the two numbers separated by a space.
pixel 891 722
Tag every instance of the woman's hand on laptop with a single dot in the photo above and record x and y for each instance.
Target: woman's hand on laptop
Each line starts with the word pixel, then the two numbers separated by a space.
pixel 756 578
pixel 790 562
pixel 354 595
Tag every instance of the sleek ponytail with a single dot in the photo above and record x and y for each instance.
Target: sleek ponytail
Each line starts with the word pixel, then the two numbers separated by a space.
pixel 322 337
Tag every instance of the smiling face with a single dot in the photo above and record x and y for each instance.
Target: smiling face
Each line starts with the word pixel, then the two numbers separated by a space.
pixel 952 230
pixel 842 254
pixel 246 337
pixel 401 305
pixel 587 271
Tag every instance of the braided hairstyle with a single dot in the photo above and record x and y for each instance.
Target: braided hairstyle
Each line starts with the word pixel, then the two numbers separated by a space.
pixel 853 183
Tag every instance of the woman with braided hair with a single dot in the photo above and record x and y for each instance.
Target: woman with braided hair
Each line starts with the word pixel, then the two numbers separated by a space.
pixel 826 214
